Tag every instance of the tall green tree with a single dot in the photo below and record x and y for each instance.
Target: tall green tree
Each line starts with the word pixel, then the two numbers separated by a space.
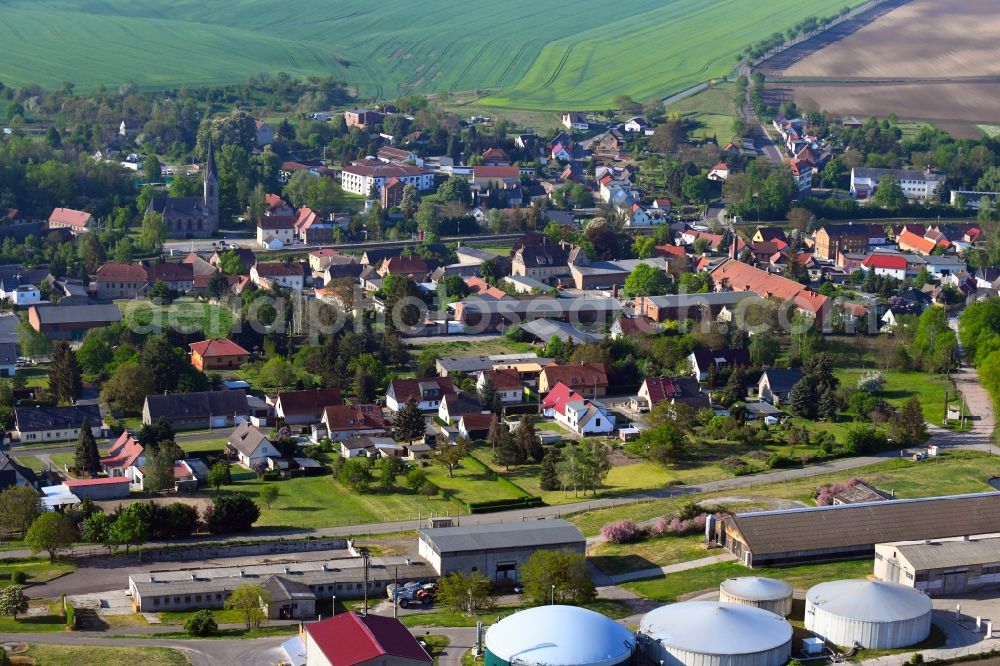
pixel 527 439
pixel 559 576
pixel 86 460
pixel 248 600
pixel 153 232
pixel 889 194
pixel 65 378
pixel 409 424
pixel 549 475
pixel 19 506
pixel 51 532
pixel 646 280
pixel 13 602
pixel 466 593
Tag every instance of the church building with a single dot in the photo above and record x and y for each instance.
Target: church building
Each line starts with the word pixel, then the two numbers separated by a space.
pixel 191 217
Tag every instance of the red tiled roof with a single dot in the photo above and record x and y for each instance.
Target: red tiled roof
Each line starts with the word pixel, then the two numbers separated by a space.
pixel 495 154
pixel 661 388
pixel 277 269
pixel 276 222
pixel 74 218
pixel 294 402
pixel 585 374
pixel 123 453
pixel 170 272
pixel 721 166
pixel 478 421
pixel 505 380
pixel 881 260
pixel 480 286
pixel 496 172
pixel 914 242
pixel 121 272
pixel 348 639
pixel 217 348
pixel 353 417
pixel 738 276
pixel 558 397
pixel 326 252
pixel 669 251
pixel 377 169
pixel 274 202
pixel 640 324
pixel 404 265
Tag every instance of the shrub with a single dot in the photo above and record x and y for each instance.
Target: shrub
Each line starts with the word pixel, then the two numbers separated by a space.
pixel 622 531
pixel 201 624
pixel 779 461
pixel 18 578
pixel 871 382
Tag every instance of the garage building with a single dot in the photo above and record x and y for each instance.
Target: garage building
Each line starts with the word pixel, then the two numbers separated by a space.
pixel 850 531
pixel 952 566
pixel 497 550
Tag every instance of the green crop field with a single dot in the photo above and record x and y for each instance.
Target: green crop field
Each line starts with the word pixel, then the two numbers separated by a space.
pixel 525 54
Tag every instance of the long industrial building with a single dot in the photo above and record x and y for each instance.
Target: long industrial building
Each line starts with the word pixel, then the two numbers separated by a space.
pixel 850 531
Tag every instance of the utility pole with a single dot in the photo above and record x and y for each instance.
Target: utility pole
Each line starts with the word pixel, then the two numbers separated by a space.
pixel 395 592
pixel 365 559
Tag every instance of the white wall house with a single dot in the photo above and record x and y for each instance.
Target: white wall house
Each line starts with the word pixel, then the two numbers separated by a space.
pixel 359 177
pixel 585 417
pixel 916 185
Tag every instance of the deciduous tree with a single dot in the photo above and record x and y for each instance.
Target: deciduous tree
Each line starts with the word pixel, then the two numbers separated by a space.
pixel 247 599
pixel 51 532
pixel 558 576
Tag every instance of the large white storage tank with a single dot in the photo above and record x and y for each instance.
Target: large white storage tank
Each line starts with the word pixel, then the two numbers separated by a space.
pixel 875 614
pixel 711 633
pixel 766 593
pixel 558 636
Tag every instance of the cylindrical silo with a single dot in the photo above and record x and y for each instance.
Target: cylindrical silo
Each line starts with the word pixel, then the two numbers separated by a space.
pixel 765 593
pixel 872 613
pixel 710 633
pixel 558 636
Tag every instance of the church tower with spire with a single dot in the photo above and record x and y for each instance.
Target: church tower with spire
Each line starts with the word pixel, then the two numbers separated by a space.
pixel 211 195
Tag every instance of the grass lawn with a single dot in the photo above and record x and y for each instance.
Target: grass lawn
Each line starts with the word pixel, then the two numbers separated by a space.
pixel 435 645
pixel 37 570
pixel 31 462
pixel 673 587
pixel 445 617
pixel 37 376
pixel 900 386
pixel 60 459
pixel 90 655
pixel 222 616
pixel 320 501
pixel 203 446
pixel 709 113
pixel 950 473
pixel 616 558
pixel 36 624
pixel 470 483
pixel 184 314
pixel 497 345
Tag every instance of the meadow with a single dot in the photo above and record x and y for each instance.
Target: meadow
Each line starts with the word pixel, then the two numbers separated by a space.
pixel 531 54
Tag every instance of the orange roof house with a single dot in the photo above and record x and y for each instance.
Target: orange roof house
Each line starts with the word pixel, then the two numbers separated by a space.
pixel 218 355
pixel 733 275
pixel 911 242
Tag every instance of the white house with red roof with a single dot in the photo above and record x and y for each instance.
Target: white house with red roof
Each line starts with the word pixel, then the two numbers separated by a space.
pixel 275 205
pixel 348 421
pixel 884 263
pixel 719 173
pixel 576 413
pixel 507 384
pixel 124 456
pixel 350 639
pixel 428 392
pixel 266 275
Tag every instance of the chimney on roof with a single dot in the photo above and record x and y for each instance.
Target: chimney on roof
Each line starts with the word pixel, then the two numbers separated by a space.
pixel 243 573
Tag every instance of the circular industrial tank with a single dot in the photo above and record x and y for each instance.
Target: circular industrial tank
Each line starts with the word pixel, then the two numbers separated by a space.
pixel 766 593
pixel 871 613
pixel 711 633
pixel 558 636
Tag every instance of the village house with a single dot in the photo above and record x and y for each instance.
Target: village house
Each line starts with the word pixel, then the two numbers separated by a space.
pixel 703 361
pixel 576 413
pixel 719 173
pixel 414 268
pixel 342 422
pixel 886 264
pixel 671 390
pixel 52 424
pixel 909 241
pixel 350 639
pixel 737 276
pixel 246 256
pixel 476 425
pixel 455 405
pixel 201 410
pixel 305 407
pixel 391 155
pixel 275 231
pixel 496 157
pixel 268 275
pixel 124 456
pixel 367 177
pixel 541 262
pixel 831 240
pixel 363 118
pixel 608 274
pixel 77 221
pixel 275 205
pixel 179 278
pixel 775 385
pixel 589 379
pixel 635 124
pixel 507 384
pixel 575 121
pixel 629 327
pixel 427 391
pixel 250 446
pixel 201 269
pixel 264 133
pixel 219 354
pixel 680 307
pixel 487 177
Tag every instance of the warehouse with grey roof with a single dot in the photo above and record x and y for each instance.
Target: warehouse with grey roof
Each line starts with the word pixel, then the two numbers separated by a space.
pixel 848 531
pixel 496 550
pixel 941 567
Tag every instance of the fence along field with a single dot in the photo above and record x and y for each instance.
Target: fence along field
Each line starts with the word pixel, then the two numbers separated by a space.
pixel 519 50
